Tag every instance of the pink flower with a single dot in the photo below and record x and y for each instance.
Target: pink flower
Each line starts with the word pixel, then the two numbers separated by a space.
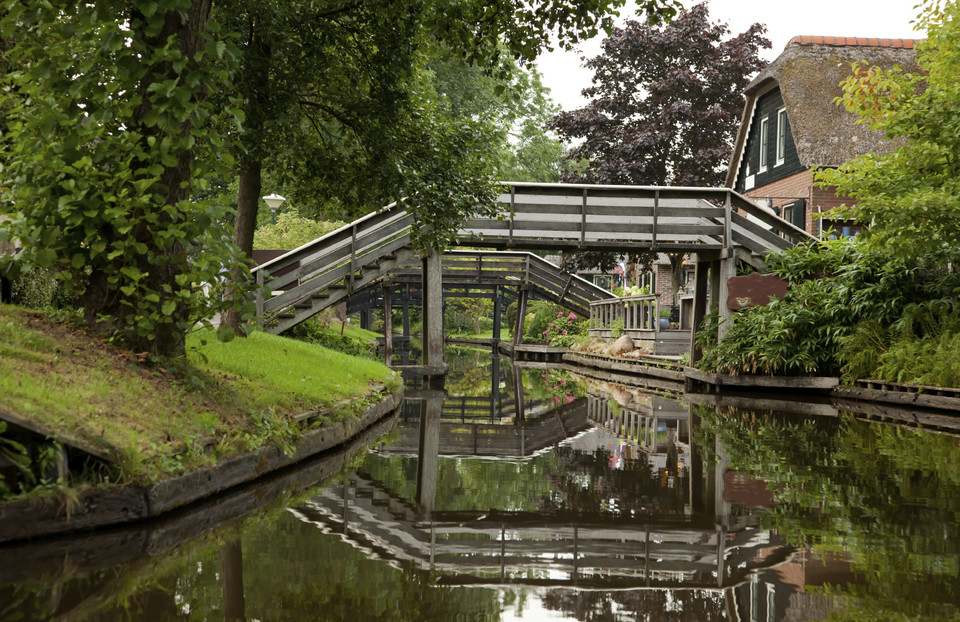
pixel 560 314
pixel 544 332
pixel 563 332
pixel 570 398
pixel 563 382
pixel 572 316
pixel 550 324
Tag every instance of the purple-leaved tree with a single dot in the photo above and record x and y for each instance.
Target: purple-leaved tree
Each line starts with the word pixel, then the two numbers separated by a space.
pixel 664 105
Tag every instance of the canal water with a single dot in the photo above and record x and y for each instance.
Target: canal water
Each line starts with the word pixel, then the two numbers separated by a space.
pixel 537 494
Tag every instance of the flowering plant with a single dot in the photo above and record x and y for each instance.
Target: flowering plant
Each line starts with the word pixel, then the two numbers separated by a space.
pixel 564 329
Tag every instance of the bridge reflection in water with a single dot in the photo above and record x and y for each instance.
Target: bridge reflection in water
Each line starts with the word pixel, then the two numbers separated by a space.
pixel 631 504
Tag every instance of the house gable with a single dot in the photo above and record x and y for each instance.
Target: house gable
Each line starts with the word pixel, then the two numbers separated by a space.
pixel 769 152
pixel 806 79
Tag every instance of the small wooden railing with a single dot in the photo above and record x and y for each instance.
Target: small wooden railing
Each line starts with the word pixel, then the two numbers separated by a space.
pixel 632 314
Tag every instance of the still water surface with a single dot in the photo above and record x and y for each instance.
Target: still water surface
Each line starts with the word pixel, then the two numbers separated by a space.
pixel 535 494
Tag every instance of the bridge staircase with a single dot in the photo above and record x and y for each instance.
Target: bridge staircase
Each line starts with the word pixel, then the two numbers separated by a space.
pixel 470 271
pixel 321 273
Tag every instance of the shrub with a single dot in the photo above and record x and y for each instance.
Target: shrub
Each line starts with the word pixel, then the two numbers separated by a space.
pixel 39 288
pixel 565 329
pixel 843 302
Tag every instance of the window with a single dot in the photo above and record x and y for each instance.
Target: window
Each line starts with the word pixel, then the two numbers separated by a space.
pixel 781 135
pixel 764 144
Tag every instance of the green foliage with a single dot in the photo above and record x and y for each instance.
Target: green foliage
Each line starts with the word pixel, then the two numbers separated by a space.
pixel 835 286
pixel 105 117
pixel 910 196
pixel 616 328
pixel 15 454
pixel 321 331
pixel 648 122
pixel 292 231
pixel 467 316
pixel 632 290
pixel 540 315
pixel 38 288
pixel 565 329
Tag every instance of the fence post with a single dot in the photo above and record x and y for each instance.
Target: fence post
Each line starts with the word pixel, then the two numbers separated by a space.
pixel 260 298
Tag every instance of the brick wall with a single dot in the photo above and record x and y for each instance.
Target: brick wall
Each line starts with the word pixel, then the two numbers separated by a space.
pixel 799 186
pixel 663 289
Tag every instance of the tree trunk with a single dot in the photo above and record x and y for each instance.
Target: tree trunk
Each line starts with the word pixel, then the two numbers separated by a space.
pixel 248 204
pixel 105 308
pixel 254 86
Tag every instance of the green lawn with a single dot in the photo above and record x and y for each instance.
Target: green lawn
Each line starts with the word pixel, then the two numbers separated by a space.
pixel 226 398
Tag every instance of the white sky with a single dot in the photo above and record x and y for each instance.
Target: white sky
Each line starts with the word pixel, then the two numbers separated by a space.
pixel 564 75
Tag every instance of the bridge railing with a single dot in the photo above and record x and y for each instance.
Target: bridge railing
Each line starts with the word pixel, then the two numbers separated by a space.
pixel 595 217
pixel 632 314
pixel 339 255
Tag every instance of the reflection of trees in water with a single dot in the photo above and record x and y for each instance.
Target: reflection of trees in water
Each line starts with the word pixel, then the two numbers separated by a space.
pixel 887 496
pixel 647 605
pixel 588 482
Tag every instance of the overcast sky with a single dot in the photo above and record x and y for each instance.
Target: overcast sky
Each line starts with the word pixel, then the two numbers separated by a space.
pixel 565 76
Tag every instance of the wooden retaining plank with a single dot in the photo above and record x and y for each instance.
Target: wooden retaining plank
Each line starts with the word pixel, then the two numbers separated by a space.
pixel 642 368
pixel 59 435
pixel 771 382
pixel 903 398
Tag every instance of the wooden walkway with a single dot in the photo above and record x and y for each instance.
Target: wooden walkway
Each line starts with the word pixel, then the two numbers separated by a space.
pixel 466 273
pixel 568 217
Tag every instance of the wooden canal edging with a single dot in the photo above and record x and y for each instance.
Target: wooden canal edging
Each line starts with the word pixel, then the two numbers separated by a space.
pixel 902 394
pixel 103 507
pixel 699 382
pixel 652 367
pixel 139 544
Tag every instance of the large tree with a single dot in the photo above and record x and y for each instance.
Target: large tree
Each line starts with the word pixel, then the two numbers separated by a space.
pixel 338 103
pixel 106 109
pixel 664 106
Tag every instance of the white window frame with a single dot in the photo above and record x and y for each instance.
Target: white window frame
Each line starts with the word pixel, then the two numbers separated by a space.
pixel 781 136
pixel 764 144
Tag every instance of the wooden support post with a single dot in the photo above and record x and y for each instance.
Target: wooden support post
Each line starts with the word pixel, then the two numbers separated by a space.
pixel 713 302
pixel 406 313
pixel 231 578
pixel 521 312
pixel 495 389
pixel 497 314
pixel 260 298
pixel 432 309
pixel 387 325
pixel 728 269
pixel 518 396
pixel 699 305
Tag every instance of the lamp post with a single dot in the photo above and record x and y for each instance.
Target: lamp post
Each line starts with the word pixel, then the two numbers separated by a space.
pixel 273 201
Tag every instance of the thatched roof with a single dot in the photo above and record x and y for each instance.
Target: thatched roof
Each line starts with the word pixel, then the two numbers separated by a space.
pixel 809 72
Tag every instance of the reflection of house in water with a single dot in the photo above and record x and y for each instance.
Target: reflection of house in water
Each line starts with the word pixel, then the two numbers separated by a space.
pixel 656 427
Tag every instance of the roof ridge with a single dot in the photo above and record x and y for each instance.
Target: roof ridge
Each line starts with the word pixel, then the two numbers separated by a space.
pixel 852 41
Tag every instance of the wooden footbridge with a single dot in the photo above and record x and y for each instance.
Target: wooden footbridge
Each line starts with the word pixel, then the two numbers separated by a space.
pixel 717 224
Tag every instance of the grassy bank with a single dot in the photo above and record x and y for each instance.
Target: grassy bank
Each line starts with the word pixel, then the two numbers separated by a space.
pixel 226 398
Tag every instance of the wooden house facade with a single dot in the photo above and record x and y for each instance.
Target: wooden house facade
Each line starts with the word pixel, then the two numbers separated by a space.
pixel 792 125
